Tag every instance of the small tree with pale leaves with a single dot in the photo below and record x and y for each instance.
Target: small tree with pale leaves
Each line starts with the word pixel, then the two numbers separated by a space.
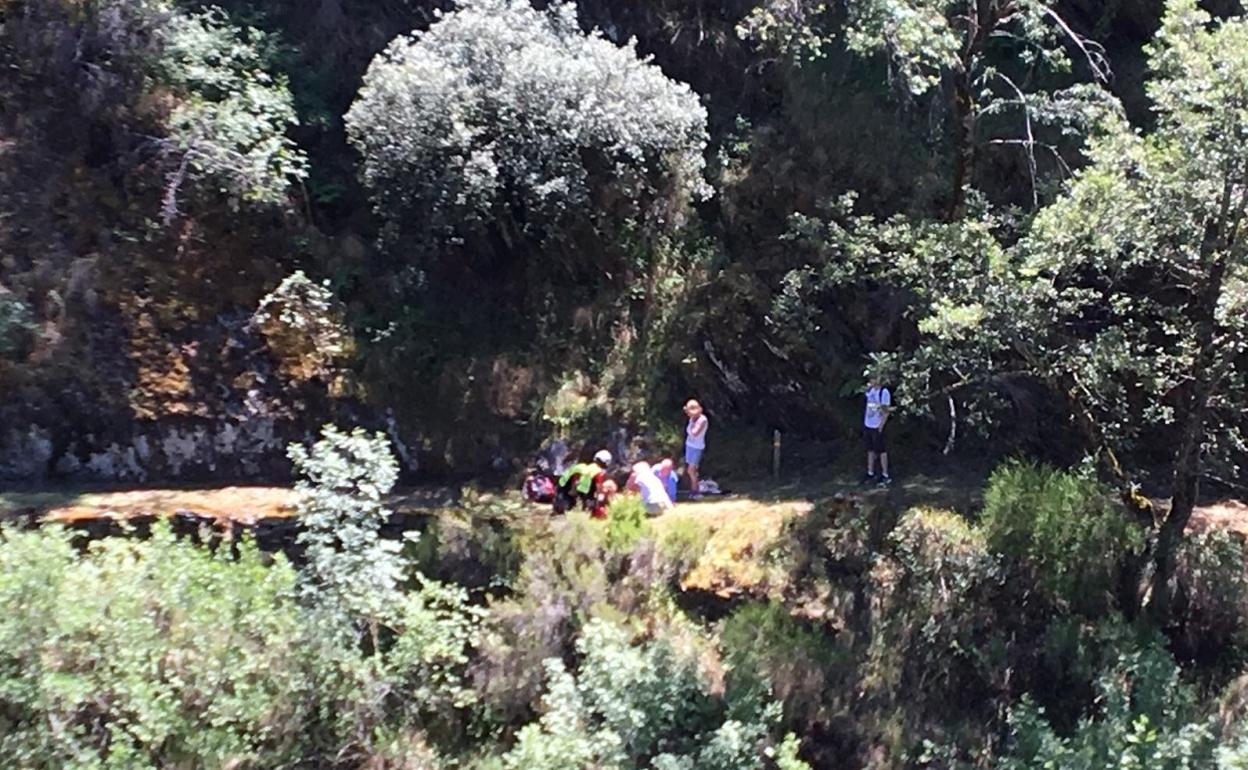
pixel 351 571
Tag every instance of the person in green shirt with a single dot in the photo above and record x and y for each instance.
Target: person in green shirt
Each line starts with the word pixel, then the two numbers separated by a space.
pixel 580 481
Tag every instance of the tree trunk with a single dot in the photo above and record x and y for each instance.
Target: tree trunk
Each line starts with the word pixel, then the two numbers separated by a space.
pixel 964 144
pixel 1169 538
pixel 1192 414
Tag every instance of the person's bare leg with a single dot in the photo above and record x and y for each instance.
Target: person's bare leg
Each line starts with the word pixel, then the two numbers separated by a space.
pixel 692 470
pixel 884 464
pixel 870 463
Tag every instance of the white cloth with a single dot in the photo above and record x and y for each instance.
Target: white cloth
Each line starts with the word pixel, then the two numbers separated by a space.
pixel 877 400
pixel 698 441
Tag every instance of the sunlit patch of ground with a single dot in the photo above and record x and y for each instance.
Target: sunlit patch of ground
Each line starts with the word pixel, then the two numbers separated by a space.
pixel 244 505
pixel 1230 515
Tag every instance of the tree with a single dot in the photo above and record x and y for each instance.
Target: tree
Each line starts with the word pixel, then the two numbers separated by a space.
pixel 184 91
pixel 352 572
pixel 1124 298
pixel 984 61
pixel 948 44
pixel 509 127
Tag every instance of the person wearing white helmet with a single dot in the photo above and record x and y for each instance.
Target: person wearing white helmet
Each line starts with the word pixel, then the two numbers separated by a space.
pixel 582 481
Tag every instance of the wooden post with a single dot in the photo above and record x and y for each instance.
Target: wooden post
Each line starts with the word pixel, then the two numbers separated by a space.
pixel 775 454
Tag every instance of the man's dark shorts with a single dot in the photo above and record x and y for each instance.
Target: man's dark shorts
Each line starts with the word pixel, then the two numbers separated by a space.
pixel 873 438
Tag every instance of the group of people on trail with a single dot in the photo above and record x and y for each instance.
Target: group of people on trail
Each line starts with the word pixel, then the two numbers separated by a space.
pixel 591 485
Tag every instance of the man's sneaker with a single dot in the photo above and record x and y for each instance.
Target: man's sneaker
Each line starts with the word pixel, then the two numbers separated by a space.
pixel 868 478
pixel 885 481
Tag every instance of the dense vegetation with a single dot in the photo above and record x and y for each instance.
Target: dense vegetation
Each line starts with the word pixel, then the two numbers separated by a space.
pixel 472 226
pixel 929 641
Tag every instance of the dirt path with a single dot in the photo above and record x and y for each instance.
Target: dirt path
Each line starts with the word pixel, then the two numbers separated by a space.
pixel 245 505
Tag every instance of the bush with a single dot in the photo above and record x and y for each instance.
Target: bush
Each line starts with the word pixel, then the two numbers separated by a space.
pixel 1146 718
pixel 187 87
pixel 561 585
pixel 304 326
pixel 1067 531
pixel 1212 599
pixel 352 573
pixel 158 653
pixel 500 108
pixel 682 541
pixel 627 523
pixel 768 651
pixel 146 655
pixel 938 618
pixel 648 705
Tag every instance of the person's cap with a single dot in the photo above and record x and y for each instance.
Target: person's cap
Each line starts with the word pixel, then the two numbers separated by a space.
pixel 666 463
pixel 692 404
pixel 602 456
pixel 642 467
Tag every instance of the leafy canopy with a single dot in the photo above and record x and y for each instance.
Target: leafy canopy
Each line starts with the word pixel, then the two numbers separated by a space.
pixel 504 112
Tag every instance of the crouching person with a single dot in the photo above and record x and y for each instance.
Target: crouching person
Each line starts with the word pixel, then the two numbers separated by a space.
pixel 653 494
pixel 602 500
pixel 581 482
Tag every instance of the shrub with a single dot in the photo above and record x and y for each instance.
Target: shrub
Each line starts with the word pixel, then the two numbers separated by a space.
pixel 768 651
pixel 500 108
pixel 352 573
pixel 377 651
pixel 682 541
pixel 1066 530
pixel 187 86
pixel 632 706
pixel 304 325
pixel 627 523
pixel 1212 598
pixel 937 615
pixel 1145 718
pixel 561 584
pixel 146 654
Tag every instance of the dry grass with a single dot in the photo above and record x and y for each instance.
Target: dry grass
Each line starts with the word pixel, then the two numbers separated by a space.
pixel 742 531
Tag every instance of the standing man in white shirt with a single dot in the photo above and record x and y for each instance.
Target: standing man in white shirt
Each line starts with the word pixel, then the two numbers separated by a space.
pixel 695 443
pixel 879 400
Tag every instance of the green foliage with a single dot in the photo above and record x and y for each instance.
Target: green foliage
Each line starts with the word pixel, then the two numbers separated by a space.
pixel 184 84
pixel 767 651
pixel 160 653
pixel 793 29
pixel 938 634
pixel 305 325
pixel 683 540
pixel 378 651
pixel 632 706
pixel 229 124
pixel 1068 530
pixel 1212 600
pixel 498 105
pixel 352 572
pixel 627 523
pixel 1145 718
pixel 146 655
